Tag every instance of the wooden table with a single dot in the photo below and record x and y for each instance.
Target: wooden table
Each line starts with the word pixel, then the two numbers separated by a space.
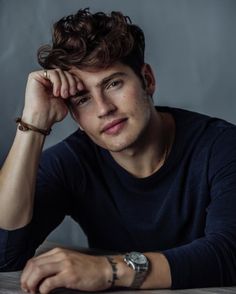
pixel 10 284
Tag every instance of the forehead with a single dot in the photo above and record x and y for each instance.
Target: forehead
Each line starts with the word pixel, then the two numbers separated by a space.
pixel 95 76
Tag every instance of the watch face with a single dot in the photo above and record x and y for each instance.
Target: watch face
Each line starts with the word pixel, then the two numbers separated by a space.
pixel 138 258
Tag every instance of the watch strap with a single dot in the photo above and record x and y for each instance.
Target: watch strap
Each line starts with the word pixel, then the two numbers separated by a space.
pixel 138 279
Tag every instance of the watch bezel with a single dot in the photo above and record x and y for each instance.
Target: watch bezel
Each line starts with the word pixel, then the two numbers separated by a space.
pixel 137 266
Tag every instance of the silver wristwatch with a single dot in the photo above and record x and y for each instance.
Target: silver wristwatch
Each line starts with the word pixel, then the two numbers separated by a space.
pixel 140 264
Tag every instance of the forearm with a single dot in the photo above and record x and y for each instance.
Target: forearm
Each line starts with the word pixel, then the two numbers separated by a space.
pixel 206 262
pixel 158 276
pixel 17 180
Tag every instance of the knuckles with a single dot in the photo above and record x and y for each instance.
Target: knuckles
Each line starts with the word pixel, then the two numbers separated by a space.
pixel 62 253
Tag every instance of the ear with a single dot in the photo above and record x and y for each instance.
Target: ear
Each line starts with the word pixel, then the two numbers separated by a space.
pixel 149 79
pixel 82 130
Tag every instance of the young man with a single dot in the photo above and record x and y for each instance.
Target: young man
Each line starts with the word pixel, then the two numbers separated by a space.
pixel 156 184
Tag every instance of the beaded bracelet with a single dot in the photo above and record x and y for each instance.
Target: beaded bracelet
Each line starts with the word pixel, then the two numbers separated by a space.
pixel 114 271
pixel 23 126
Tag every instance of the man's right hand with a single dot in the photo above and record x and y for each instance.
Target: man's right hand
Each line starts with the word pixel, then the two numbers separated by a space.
pixel 44 105
pixel 45 96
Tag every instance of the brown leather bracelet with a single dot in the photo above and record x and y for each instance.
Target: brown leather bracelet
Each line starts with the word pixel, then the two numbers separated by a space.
pixel 23 126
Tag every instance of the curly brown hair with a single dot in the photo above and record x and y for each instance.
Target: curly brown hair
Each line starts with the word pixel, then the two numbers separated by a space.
pixel 98 40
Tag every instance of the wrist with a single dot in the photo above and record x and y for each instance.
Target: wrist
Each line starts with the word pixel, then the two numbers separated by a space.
pixel 37 120
pixel 120 275
pixel 25 127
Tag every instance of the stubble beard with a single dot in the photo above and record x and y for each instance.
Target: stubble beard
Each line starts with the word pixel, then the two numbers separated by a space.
pixel 136 142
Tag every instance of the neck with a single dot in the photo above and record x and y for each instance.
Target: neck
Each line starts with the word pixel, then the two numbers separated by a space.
pixel 150 153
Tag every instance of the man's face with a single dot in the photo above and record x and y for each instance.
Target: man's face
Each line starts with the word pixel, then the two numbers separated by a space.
pixel 113 108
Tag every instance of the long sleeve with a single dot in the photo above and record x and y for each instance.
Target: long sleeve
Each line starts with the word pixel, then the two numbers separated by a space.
pixel 50 207
pixel 211 260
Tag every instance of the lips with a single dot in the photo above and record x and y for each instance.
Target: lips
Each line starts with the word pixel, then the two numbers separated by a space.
pixel 114 127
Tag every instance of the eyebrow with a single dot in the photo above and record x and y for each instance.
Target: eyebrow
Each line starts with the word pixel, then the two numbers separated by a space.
pixel 110 77
pixel 102 83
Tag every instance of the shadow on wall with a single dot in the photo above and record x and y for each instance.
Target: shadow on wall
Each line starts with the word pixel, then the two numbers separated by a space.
pixel 69 233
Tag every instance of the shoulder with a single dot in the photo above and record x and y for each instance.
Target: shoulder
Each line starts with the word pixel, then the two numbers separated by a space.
pixel 201 126
pixel 223 151
pixel 212 139
pixel 203 138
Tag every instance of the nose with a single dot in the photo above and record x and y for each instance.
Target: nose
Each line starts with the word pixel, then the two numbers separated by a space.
pixel 105 106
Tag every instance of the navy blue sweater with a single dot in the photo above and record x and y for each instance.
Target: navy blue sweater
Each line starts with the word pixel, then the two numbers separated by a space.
pixel 186 210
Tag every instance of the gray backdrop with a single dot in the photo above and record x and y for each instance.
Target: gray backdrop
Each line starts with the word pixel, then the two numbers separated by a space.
pixel 191 45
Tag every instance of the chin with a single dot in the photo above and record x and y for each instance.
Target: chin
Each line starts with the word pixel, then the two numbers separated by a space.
pixel 122 142
pixel 122 145
pixel 116 149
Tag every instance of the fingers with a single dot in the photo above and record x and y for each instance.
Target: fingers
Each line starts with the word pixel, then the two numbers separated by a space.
pixel 39 268
pixel 35 274
pixel 51 256
pixel 51 283
pixel 64 84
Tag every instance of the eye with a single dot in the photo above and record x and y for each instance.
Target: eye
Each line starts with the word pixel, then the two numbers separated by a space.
pixel 80 101
pixel 114 84
pixel 83 100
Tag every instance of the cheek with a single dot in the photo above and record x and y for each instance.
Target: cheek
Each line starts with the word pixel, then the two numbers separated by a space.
pixel 130 99
pixel 135 102
pixel 85 121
